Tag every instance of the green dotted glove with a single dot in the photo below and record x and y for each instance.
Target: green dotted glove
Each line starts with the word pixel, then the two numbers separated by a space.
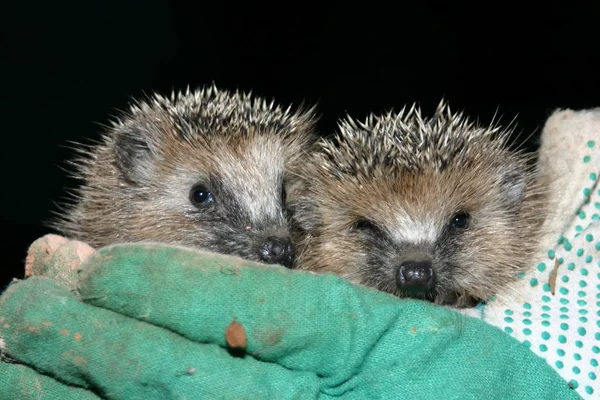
pixel 148 321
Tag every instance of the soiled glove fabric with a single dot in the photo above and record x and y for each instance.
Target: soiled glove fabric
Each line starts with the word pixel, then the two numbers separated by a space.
pixel 554 308
pixel 148 321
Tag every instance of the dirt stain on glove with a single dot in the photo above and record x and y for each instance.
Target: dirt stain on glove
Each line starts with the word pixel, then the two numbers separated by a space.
pixel 553 275
pixel 270 337
pixel 235 336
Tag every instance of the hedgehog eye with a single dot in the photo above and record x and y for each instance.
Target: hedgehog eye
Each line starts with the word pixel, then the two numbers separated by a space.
pixel 460 220
pixel 201 196
pixel 283 194
pixel 364 225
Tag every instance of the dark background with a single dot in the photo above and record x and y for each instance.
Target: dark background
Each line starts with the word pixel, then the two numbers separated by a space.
pixel 68 66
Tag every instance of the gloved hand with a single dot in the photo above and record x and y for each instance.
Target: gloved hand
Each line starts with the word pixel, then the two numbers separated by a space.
pixel 153 320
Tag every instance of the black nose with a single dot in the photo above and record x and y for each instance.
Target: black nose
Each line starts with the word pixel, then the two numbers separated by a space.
pixel 416 276
pixel 277 250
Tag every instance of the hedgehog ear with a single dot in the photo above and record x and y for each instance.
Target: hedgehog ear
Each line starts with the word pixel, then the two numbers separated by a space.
pixel 136 148
pixel 512 183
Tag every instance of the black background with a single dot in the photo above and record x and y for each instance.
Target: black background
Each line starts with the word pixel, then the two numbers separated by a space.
pixel 68 66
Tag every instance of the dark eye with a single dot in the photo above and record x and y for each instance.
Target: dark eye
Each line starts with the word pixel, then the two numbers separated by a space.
pixel 460 220
pixel 283 194
pixel 364 225
pixel 201 196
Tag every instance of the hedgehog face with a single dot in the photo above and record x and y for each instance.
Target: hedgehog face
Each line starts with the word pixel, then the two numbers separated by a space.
pixel 451 231
pixel 433 235
pixel 206 169
pixel 226 197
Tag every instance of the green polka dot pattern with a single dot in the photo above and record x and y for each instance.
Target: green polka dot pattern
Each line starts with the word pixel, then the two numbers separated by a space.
pixel 554 309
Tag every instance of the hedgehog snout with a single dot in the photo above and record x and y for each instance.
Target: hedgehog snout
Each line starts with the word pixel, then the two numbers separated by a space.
pixel 416 276
pixel 277 250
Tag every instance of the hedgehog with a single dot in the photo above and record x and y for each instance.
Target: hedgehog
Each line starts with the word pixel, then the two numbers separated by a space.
pixel 441 209
pixel 207 168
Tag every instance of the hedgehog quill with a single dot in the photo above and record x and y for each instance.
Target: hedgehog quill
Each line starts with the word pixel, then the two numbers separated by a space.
pixel 206 168
pixel 438 208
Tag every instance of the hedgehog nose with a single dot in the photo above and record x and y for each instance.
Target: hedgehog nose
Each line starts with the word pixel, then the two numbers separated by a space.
pixel 277 250
pixel 416 276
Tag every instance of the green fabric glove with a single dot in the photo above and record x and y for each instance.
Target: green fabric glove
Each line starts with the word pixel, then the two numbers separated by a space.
pixel 153 320
pixel 24 383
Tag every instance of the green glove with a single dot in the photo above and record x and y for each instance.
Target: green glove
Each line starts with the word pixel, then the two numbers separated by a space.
pixel 154 317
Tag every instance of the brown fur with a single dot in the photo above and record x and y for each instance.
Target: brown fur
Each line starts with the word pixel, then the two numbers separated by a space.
pixel 395 172
pixel 137 180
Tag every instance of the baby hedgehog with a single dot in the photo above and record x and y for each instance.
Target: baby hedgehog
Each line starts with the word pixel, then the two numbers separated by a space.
pixel 438 209
pixel 205 168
